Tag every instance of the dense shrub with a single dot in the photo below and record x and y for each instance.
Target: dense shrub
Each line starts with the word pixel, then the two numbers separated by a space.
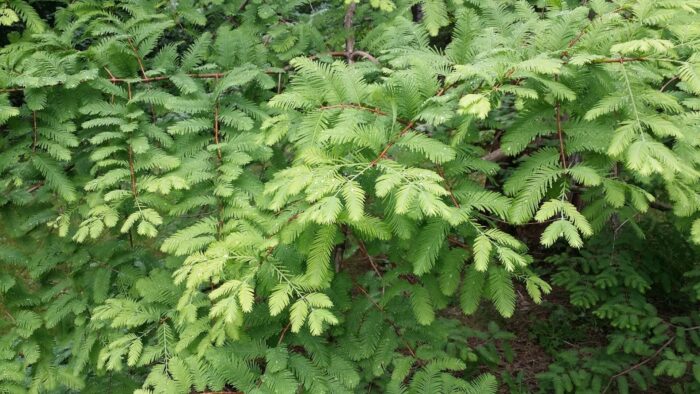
pixel 325 196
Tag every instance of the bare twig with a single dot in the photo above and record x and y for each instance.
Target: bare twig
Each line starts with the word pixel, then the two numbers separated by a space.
pixel 283 333
pixel 365 55
pixel 667 84
pixel 138 58
pixel 350 35
pixel 648 359
pixel 369 258
pixel 639 364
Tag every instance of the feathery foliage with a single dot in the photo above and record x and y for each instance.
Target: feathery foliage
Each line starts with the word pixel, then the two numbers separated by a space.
pixel 296 196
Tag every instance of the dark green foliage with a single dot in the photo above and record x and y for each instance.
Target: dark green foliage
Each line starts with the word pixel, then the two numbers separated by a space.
pixel 309 196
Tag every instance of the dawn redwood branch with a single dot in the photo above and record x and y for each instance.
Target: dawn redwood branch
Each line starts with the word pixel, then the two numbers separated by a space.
pixel 496 155
pixel 636 366
pixel 364 55
pixel 138 58
pixel 350 35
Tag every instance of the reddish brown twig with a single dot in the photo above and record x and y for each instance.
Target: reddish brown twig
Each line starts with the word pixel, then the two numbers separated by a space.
pixel 448 187
pixel 639 364
pixel 391 143
pixel 138 58
pixel 369 258
pixel 283 333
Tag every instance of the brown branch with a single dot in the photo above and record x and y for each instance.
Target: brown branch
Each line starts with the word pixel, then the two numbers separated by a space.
pixel 388 146
pixel 457 242
pixel 494 156
pixel 576 39
pixel 284 332
pixel 670 81
pixel 639 364
pixel 369 258
pixel 350 35
pixel 138 58
pixel 448 186
pixel 111 76
pixel 35 187
pixel 646 360
pixel 365 55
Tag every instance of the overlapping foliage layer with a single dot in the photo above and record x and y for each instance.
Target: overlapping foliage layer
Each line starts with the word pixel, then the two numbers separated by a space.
pixel 290 196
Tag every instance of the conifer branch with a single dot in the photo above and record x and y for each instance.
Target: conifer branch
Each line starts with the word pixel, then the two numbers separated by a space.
pixel 448 187
pixel 391 143
pixel 349 34
pixel 365 253
pixel 668 83
pixel 283 333
pixel 138 58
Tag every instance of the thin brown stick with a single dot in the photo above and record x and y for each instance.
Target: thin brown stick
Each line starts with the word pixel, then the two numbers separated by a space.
pixel 369 258
pixel 448 187
pixel 388 146
pixel 138 58
pixel 350 35
pixel 35 187
pixel 111 76
pixel 639 364
pixel 365 55
pixel 667 84
pixel 457 242
pixel 283 333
